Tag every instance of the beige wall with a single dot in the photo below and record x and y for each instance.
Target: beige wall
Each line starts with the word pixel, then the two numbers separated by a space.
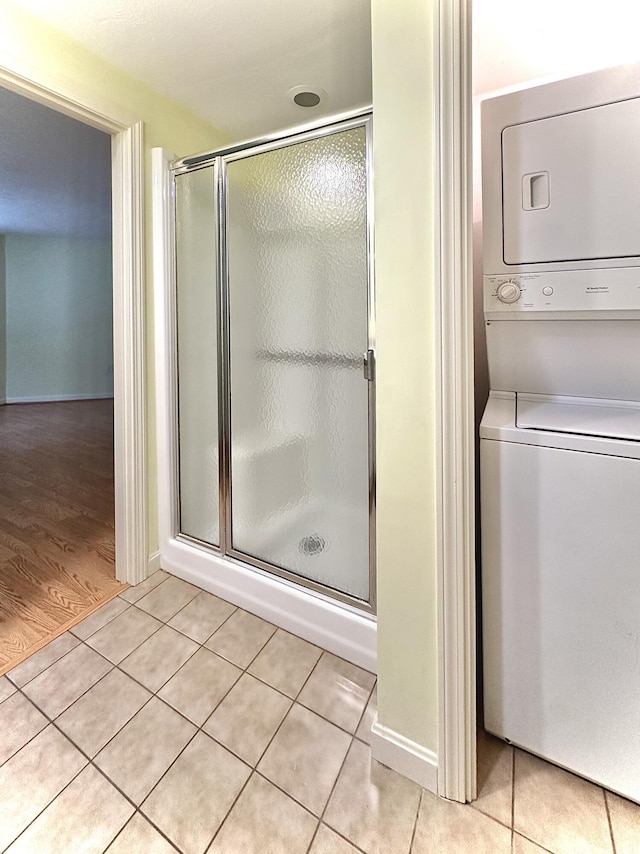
pixel 35 50
pixel 402 35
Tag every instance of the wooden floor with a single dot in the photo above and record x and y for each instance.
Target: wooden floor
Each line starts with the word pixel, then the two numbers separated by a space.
pixel 57 556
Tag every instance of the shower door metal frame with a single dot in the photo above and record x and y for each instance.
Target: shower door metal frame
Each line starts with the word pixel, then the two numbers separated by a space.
pixel 218 160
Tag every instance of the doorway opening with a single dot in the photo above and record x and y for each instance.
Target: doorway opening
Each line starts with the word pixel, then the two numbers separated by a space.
pixel 57 526
pixel 128 365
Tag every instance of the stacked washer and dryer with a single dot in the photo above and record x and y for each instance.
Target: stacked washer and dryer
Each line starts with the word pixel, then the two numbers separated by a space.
pixel 560 436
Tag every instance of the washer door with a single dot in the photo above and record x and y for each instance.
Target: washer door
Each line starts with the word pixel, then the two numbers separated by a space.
pixel 561 598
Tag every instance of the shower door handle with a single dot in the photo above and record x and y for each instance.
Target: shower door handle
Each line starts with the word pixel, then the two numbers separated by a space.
pixel 369 365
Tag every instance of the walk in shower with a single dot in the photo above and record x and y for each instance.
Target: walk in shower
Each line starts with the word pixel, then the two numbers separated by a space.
pixel 273 356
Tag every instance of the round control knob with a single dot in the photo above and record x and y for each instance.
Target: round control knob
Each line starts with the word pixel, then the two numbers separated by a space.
pixel 508 292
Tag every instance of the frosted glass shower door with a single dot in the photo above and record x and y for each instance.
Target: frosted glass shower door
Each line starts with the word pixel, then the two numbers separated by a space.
pixel 197 334
pixel 297 297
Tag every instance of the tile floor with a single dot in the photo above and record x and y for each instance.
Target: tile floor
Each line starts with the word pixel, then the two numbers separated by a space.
pixel 170 720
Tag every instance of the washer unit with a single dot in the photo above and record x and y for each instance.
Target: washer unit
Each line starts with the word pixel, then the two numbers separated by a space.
pixel 560 437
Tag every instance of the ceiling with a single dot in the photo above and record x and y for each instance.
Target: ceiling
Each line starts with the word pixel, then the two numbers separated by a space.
pixel 55 173
pixel 232 62
pixel 516 41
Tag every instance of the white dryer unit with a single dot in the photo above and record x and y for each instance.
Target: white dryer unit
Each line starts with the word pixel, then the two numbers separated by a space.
pixel 560 437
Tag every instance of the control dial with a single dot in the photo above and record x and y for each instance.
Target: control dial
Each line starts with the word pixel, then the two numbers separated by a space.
pixel 508 292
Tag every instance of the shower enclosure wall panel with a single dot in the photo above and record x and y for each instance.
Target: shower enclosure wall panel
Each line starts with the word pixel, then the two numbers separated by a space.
pixel 265 434
pixel 197 338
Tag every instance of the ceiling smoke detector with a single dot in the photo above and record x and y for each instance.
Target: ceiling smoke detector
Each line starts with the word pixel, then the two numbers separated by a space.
pixel 307 96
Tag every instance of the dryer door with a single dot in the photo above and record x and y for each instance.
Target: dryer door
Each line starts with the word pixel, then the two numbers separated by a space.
pixel 571 185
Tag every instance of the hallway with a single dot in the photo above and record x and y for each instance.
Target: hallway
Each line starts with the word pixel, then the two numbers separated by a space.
pixel 57 555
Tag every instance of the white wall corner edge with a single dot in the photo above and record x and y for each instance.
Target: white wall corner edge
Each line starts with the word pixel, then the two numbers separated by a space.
pixel 153 563
pixel 405 756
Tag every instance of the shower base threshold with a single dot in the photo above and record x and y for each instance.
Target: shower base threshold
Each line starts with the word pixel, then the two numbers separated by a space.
pixel 340 628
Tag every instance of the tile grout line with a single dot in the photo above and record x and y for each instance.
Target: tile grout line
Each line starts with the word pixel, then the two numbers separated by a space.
pixel 415 823
pixel 608 811
pixel 508 826
pixel 229 811
pixel 144 818
pixel 328 801
pixel 513 789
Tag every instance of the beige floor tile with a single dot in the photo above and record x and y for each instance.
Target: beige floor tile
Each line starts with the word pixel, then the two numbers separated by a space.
pixel 202 616
pixel 305 757
pixel 156 660
pixel 364 727
pixel 625 824
pixel 521 845
pixel 141 752
pixel 99 618
pixel 19 722
pixel 445 827
pixel 123 634
pixel 100 713
pixel 495 777
pixel 140 837
pixel 193 798
pixel 558 810
pixel 85 817
pixel 248 717
pixel 327 841
pixel 32 778
pixel 63 682
pixel 372 806
pixel 7 688
pixel 265 820
pixel 338 690
pixel 132 594
pixel 168 598
pixel 241 638
pixel 286 662
pixel 39 661
pixel 197 688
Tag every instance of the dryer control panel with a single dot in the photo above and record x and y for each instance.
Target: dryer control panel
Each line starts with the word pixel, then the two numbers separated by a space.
pixel 616 289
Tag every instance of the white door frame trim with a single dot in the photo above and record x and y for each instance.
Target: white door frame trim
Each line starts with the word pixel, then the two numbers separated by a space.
pixel 455 487
pixel 130 451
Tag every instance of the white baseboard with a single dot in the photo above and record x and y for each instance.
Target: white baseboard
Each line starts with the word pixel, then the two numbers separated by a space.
pixel 60 398
pixel 408 758
pixel 344 631
pixel 153 563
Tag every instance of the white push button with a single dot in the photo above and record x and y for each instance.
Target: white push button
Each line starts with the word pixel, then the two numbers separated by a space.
pixel 547 291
